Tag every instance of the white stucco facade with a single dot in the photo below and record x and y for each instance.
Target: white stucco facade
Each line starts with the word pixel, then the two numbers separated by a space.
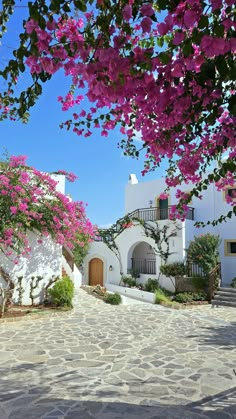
pixel 44 260
pixel 133 243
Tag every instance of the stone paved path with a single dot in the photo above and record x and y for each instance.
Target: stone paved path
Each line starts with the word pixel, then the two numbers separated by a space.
pixel 111 362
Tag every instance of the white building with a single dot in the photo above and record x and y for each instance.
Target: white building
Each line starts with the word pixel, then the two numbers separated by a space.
pixel 47 260
pixel 136 250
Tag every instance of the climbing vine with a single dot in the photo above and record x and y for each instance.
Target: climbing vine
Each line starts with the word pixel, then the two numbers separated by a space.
pixel 20 289
pixel 46 288
pixel 6 292
pixel 33 285
pixel 161 236
pixel 109 236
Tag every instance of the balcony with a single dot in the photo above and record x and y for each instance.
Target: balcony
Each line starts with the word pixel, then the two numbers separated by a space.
pixel 156 214
pixel 143 214
pixel 144 266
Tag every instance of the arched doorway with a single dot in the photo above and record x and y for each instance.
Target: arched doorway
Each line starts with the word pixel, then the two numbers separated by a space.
pixel 142 259
pixel 96 272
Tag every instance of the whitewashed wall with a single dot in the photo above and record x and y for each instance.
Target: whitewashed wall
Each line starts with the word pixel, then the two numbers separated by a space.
pixel 210 207
pixel 127 242
pixel 61 180
pixel 101 251
pixel 74 275
pixel 44 260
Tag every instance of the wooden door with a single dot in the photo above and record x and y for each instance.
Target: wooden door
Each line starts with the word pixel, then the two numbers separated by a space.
pixel 96 272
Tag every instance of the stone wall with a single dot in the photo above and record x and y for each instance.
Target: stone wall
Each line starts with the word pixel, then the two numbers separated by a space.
pixel 185 284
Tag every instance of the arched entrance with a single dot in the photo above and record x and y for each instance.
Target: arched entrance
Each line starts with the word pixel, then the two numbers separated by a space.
pixel 96 272
pixel 142 259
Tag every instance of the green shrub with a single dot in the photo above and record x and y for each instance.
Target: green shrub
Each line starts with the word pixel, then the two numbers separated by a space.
pixel 233 283
pixel 113 299
pixel 186 297
pixel 151 285
pixel 161 297
pixel 173 269
pixel 204 251
pixel 129 281
pixel 166 292
pixel 199 282
pixel 62 292
pixel 134 273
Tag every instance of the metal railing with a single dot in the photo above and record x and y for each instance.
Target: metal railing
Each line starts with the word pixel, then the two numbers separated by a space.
pixel 144 266
pixel 143 214
pixel 156 214
pixel 192 269
pixel 214 280
pixel 213 276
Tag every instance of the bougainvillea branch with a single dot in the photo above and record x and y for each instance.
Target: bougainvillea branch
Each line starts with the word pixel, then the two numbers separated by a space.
pixel 162 69
pixel 30 201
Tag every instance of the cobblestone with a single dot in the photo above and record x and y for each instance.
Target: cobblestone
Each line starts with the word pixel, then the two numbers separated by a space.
pixel 110 362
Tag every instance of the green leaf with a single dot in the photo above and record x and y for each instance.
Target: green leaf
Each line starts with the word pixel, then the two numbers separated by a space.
pixel 219 30
pixel 188 49
pixel 38 89
pixel 81 5
pixel 21 67
pixel 203 22
pixel 221 66
pixel 232 105
pixel 164 57
pixel 66 8
pixel 55 6
pixel 160 41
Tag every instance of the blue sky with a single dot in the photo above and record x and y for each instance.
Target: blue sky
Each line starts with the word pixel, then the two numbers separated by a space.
pixel 101 168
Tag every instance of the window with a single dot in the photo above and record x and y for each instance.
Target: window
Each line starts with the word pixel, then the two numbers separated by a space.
pixel 230 247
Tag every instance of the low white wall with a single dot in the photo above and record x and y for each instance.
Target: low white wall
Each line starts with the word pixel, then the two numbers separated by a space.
pixel 45 260
pixel 74 275
pixel 148 297
pixel 164 281
pixel 77 277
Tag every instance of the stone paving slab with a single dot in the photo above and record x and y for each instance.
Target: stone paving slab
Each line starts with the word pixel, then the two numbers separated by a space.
pixel 129 361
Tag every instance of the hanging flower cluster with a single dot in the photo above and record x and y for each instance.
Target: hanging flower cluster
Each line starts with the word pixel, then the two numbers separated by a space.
pixel 30 201
pixel 162 69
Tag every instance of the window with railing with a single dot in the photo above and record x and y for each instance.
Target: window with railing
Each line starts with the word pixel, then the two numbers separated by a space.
pixel 144 266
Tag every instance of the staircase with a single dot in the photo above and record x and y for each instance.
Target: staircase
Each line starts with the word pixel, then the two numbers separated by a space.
pixel 224 297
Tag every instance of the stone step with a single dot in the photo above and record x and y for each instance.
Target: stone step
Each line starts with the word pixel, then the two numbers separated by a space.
pixel 228 289
pixel 225 296
pixel 223 303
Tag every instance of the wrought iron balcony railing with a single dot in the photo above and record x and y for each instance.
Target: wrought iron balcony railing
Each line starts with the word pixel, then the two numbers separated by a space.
pixel 144 214
pixel 156 214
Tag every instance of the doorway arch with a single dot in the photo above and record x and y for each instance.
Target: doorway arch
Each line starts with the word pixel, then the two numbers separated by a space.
pixel 96 272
